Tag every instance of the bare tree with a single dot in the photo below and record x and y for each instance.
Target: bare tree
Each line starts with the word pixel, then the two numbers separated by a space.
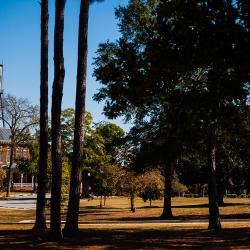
pixel 40 223
pixel 19 117
pixel 55 225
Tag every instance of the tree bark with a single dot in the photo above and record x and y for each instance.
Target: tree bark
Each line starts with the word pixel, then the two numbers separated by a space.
pixel 85 184
pixel 214 217
pixel 220 197
pixel 167 210
pixel 132 202
pixel 9 170
pixel 101 201
pixel 40 223
pixel 55 225
pixel 104 200
pixel 71 225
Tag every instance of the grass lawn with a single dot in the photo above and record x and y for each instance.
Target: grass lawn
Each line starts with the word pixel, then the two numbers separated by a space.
pixel 183 208
pixel 121 235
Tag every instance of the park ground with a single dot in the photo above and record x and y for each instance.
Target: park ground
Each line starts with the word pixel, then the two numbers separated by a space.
pixel 115 227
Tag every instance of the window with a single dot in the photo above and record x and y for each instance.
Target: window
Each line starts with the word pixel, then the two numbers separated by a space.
pixel 18 153
pixel 8 155
pixel 1 153
pixel 25 153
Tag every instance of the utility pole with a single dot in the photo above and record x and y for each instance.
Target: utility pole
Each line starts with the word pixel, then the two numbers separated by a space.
pixel 1 94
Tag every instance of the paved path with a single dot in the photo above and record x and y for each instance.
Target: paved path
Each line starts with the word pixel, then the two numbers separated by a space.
pixel 152 222
pixel 20 202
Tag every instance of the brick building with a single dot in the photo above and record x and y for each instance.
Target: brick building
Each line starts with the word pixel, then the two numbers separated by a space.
pixel 19 180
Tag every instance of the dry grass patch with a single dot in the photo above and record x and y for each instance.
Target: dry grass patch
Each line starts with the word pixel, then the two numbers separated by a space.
pixel 117 208
pixel 15 215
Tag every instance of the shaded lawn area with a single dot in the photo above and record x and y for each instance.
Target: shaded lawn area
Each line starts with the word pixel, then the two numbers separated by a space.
pixel 165 238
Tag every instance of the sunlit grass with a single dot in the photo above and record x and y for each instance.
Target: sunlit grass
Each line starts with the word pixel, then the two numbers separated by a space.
pixel 118 209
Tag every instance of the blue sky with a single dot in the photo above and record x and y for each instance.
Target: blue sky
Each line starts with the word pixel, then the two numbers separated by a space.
pixel 20 48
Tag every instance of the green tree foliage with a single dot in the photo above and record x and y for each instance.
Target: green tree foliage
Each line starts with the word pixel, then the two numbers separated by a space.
pixel 25 166
pixel 101 152
pixel 67 130
pixel 180 66
pixel 66 166
pixel 102 157
pixel 135 87
pixel 30 166
pixel 113 136
pixel 211 39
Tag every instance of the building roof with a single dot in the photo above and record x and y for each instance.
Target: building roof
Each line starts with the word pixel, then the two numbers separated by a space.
pixel 5 135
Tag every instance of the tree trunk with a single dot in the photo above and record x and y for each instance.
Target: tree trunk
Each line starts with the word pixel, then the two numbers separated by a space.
pixel 101 201
pixel 85 185
pixel 150 202
pixel 214 217
pixel 55 225
pixel 132 202
pixel 104 200
pixel 167 210
pixel 220 197
pixel 9 184
pixel 71 225
pixel 40 223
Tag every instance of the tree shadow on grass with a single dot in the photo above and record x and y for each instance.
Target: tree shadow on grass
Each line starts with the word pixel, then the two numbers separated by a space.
pixel 107 212
pixel 131 239
pixel 185 217
pixel 236 216
pixel 205 205
pixel 178 217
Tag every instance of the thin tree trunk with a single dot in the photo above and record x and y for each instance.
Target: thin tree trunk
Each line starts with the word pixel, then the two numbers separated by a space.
pixel 71 225
pixel 150 202
pixel 214 217
pixel 55 225
pixel 167 210
pixel 40 223
pixel 132 202
pixel 104 200
pixel 85 184
pixel 34 184
pixel 220 197
pixel 101 201
pixel 9 171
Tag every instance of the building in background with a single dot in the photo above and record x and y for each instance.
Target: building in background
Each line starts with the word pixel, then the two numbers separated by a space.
pixel 19 180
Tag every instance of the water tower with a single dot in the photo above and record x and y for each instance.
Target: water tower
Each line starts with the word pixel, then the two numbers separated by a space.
pixel 1 94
